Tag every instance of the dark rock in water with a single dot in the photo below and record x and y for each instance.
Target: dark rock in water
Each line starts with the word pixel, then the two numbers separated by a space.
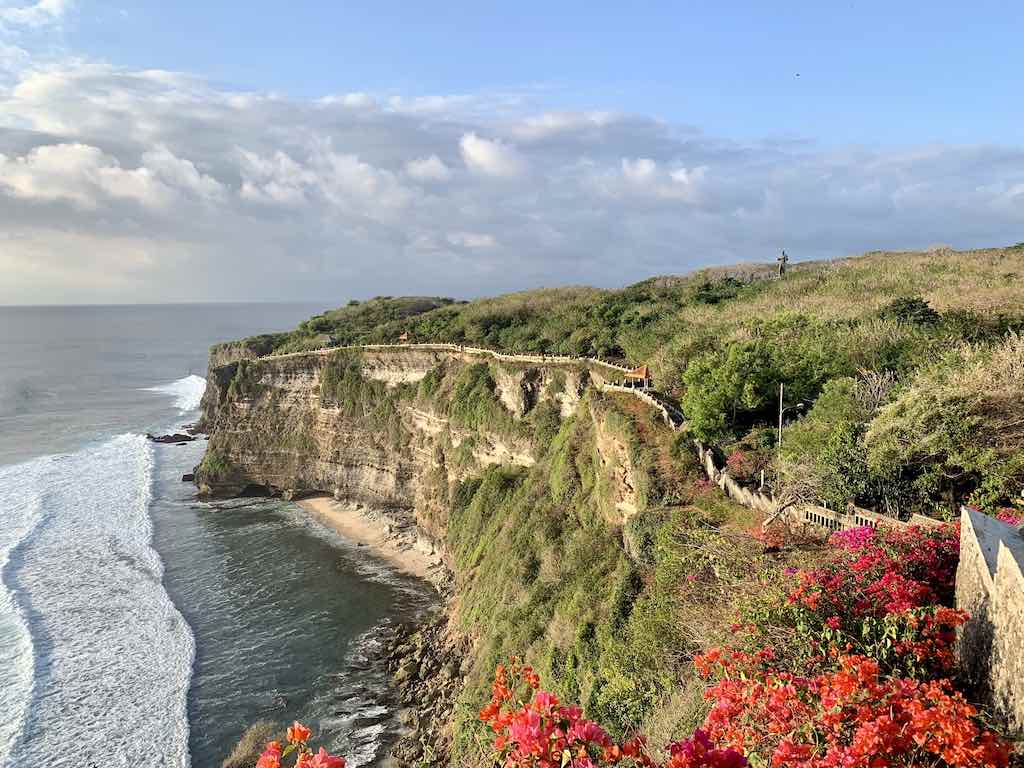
pixel 188 477
pixel 177 438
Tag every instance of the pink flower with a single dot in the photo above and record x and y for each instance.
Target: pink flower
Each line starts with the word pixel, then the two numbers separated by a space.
pixel 271 757
pixel 323 760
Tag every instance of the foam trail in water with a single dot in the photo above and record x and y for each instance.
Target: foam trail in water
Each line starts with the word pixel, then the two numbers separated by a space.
pixel 21 509
pixel 187 392
pixel 113 656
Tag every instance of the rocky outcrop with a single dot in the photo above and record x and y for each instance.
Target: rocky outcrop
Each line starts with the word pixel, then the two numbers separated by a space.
pixel 615 459
pixel 272 430
pixel 427 665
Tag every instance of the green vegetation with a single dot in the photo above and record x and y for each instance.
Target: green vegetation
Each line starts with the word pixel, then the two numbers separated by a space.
pixel 369 402
pixel 216 465
pixel 542 573
pixel 356 323
pixel 609 562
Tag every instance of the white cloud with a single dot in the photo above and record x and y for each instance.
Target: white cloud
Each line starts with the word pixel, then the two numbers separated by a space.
pixel 472 240
pixel 427 105
pixel 356 100
pixel 641 171
pixel 491 157
pixel 550 124
pixel 182 174
pixel 339 180
pixel 430 168
pixel 276 178
pixel 196 192
pixel 36 14
pixel 81 174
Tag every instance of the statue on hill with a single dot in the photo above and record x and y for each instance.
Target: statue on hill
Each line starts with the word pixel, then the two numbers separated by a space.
pixel 783 259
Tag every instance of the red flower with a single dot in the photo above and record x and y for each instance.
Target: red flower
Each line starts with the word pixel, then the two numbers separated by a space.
pixel 298 733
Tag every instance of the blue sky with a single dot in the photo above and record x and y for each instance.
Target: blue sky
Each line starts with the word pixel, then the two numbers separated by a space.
pixel 904 72
pixel 166 151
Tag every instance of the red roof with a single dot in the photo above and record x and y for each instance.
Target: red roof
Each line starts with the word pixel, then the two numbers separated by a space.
pixel 639 373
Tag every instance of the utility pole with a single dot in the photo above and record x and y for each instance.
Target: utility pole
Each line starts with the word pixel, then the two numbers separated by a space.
pixel 782 411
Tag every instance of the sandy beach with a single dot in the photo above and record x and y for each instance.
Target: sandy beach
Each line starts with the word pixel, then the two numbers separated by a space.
pixel 359 527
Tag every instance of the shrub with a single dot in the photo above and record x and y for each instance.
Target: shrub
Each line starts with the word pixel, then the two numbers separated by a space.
pixel 533 729
pixel 851 717
pixel 955 432
pixel 910 309
pixel 883 594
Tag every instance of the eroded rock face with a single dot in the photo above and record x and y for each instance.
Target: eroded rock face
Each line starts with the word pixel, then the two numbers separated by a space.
pixel 271 429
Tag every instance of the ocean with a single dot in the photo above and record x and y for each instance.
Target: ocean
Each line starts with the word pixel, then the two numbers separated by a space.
pixel 139 626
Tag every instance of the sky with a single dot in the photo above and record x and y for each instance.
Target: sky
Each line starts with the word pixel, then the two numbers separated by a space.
pixel 196 151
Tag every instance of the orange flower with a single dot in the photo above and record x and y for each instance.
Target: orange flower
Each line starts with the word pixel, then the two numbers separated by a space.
pixel 271 757
pixel 298 733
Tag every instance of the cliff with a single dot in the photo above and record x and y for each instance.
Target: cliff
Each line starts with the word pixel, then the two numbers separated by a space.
pixel 368 426
pixel 453 449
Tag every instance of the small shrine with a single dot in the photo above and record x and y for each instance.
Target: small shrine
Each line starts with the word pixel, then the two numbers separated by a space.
pixel 639 378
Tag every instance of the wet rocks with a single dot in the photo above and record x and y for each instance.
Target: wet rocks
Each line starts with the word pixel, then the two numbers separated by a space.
pixel 424 668
pixel 177 438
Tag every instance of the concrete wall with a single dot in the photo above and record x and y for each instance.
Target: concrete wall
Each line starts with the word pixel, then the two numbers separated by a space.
pixel 990 587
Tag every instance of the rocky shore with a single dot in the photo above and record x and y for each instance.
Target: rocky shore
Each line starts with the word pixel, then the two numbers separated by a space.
pixel 426 663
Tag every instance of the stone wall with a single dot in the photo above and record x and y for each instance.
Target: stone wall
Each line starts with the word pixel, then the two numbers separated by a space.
pixel 990 587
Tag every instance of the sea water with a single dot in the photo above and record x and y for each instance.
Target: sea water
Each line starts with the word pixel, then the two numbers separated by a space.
pixel 137 625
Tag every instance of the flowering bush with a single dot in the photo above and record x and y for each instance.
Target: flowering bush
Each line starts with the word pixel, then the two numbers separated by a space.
pixel 297 739
pixel 537 731
pixel 883 594
pixel 741 465
pixel 850 717
pixel 1011 516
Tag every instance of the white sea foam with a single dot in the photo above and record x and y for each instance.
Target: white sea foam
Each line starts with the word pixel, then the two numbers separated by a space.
pixel 187 392
pixel 20 502
pixel 105 678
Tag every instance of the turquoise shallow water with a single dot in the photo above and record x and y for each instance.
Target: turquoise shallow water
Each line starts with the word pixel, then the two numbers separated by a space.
pixel 138 626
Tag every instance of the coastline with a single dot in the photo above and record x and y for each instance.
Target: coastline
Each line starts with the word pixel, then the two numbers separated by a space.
pixel 360 526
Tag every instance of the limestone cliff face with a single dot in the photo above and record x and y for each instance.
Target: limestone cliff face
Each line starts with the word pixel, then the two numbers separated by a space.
pixel 397 430
pixel 274 430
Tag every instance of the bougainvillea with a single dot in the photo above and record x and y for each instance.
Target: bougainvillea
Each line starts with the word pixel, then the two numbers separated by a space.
pixel 297 742
pixel 851 717
pixel 883 594
pixel 741 465
pixel 533 730
pixel 1010 516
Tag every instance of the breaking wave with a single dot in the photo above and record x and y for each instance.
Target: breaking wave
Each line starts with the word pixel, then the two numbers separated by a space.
pixel 187 392
pixel 95 659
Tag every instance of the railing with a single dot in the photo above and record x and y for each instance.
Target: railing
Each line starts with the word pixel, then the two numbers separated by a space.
pixel 460 349
pixel 673 421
